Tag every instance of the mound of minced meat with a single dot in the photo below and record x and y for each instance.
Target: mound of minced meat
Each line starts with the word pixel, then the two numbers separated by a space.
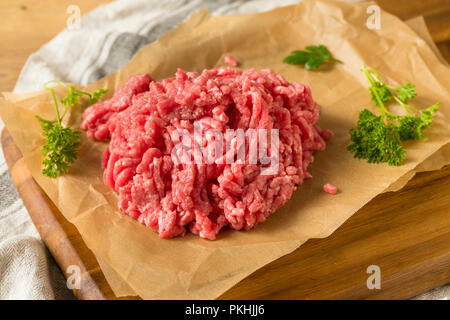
pixel 175 196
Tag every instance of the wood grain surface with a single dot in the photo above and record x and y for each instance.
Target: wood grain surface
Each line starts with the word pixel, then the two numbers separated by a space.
pixel 405 233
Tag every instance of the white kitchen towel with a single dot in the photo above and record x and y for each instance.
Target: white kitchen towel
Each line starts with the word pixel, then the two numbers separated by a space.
pixel 25 272
pixel 107 38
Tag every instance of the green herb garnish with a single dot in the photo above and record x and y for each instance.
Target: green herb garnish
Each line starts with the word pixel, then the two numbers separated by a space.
pixel 378 138
pixel 312 58
pixel 62 142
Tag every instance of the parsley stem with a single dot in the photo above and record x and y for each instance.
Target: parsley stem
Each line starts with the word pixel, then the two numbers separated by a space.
pixel 405 106
pixel 370 74
pixel 55 81
pixel 65 111
pixel 71 89
pixel 58 118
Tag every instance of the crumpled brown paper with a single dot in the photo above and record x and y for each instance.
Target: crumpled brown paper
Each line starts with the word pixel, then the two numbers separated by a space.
pixel 191 267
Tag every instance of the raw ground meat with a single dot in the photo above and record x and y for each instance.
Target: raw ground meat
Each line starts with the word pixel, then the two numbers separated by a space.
pixel 203 198
pixel 329 188
pixel 232 62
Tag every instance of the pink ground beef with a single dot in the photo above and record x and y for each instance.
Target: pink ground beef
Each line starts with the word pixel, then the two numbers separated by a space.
pixel 203 198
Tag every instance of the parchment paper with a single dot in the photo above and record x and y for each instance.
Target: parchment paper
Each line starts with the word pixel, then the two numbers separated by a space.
pixel 436 161
pixel 441 157
pixel 191 267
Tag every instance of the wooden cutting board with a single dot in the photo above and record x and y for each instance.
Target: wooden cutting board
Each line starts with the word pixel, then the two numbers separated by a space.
pixel 405 233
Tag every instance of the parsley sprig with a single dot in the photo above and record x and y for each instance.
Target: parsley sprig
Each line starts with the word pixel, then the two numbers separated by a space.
pixel 62 142
pixel 378 138
pixel 313 57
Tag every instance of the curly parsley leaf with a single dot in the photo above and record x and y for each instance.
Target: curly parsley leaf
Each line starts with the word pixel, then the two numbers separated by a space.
pixel 378 138
pixel 411 127
pixel 406 92
pixel 97 95
pixel 60 149
pixel 379 92
pixel 74 95
pixel 375 140
pixel 313 57
pixel 62 143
